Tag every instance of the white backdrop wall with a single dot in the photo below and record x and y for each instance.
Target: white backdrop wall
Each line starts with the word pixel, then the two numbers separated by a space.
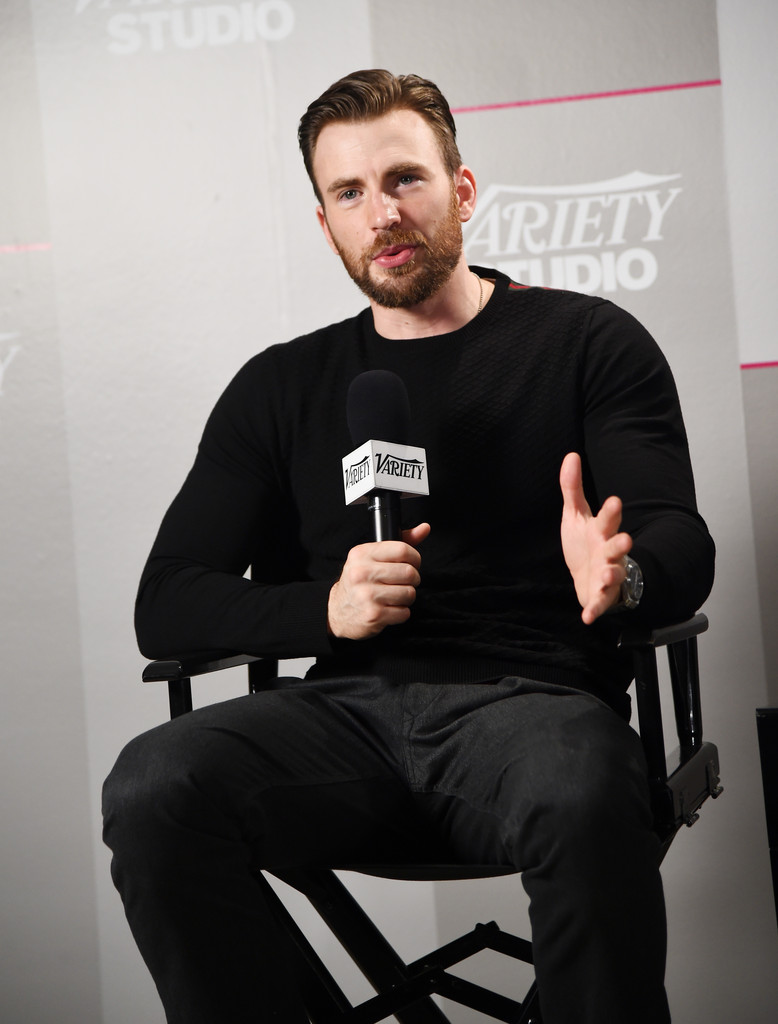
pixel 156 229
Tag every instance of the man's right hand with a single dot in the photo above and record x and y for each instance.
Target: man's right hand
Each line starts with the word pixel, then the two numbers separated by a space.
pixel 377 586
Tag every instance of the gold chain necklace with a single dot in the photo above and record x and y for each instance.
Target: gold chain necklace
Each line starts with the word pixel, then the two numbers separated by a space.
pixel 480 292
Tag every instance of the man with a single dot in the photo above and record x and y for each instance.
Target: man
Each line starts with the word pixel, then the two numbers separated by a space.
pixel 467 704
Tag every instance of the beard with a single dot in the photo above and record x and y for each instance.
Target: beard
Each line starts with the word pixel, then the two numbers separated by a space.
pixel 414 281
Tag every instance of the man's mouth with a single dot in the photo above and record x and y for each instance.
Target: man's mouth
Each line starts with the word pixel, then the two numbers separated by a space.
pixel 395 255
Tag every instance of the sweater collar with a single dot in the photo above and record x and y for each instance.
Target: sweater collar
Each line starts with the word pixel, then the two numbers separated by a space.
pixel 473 328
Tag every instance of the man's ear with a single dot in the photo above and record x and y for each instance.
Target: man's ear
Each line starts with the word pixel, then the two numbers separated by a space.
pixel 464 183
pixel 326 229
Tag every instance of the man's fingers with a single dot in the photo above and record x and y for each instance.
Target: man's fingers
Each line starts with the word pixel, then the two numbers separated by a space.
pixel 394 574
pixel 612 578
pixel 377 586
pixel 375 564
pixel 609 517
pixel 398 552
pixel 593 546
pixel 395 597
pixel 616 547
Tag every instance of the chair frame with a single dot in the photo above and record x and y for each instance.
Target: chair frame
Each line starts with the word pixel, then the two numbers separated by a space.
pixel 679 786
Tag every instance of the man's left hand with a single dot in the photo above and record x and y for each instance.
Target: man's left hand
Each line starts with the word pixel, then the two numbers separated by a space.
pixel 593 547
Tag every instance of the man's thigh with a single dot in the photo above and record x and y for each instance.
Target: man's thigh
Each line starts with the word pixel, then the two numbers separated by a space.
pixel 292 771
pixel 500 764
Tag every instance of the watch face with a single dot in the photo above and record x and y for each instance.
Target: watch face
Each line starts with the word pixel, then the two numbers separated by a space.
pixel 632 587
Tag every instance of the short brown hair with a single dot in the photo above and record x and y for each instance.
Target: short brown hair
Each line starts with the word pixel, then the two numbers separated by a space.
pixel 365 95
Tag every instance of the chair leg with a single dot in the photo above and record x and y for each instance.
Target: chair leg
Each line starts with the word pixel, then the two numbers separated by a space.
pixel 378 961
pixel 530 1008
pixel 405 990
pixel 483 936
pixel 321 995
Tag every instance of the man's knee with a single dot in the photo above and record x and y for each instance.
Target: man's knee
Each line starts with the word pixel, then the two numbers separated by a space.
pixel 198 772
pixel 136 790
pixel 583 785
pixel 595 767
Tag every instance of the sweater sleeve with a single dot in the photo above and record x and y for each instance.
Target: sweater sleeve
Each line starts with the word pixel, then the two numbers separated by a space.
pixel 636 448
pixel 232 512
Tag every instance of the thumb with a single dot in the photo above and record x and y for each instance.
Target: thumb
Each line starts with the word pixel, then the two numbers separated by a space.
pixel 417 534
pixel 571 484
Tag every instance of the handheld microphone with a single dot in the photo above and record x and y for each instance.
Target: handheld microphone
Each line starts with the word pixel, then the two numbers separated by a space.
pixel 383 468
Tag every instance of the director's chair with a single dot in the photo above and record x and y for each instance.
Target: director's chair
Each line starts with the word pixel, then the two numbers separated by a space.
pixel 679 786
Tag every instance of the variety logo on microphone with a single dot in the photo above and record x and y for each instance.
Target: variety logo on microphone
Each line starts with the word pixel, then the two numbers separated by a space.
pixel 383 466
pixel 389 464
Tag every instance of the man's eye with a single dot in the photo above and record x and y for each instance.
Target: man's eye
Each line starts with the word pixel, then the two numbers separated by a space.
pixel 407 179
pixel 348 194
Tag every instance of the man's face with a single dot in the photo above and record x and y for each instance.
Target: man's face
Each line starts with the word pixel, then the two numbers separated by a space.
pixel 390 209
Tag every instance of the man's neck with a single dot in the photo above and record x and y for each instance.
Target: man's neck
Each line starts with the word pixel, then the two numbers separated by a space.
pixel 447 310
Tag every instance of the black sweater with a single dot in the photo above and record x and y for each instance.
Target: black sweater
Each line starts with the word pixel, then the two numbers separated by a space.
pixel 497 405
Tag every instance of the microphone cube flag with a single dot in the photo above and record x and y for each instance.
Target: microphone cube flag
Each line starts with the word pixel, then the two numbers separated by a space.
pixel 384 466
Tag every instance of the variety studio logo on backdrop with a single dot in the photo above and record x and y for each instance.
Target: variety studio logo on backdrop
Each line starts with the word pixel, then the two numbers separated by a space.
pixel 594 238
pixel 137 26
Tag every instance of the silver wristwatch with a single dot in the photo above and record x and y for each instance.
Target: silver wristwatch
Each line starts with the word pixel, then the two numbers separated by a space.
pixel 632 587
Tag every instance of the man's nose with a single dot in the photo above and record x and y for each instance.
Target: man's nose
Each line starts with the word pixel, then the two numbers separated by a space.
pixel 383 211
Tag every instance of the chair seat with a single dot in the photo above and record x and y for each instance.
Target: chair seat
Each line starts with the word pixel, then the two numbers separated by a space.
pixel 430 872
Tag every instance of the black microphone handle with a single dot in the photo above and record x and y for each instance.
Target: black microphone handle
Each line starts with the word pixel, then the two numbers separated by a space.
pixel 384 509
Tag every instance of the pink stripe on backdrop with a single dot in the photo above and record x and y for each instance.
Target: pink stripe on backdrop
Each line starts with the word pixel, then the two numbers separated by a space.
pixel 758 366
pixel 26 247
pixel 587 96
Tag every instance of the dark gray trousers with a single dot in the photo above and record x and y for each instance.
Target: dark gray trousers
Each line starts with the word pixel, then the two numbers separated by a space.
pixel 348 771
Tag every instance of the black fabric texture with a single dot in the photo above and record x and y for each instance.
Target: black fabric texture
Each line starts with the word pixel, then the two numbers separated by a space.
pixel 497 405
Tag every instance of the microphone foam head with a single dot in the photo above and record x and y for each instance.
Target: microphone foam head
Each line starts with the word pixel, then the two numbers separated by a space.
pixel 377 408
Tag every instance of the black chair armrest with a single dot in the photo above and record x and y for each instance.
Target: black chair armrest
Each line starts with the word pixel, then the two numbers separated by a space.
pixel 177 672
pixel 641 636
pixel 197 664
